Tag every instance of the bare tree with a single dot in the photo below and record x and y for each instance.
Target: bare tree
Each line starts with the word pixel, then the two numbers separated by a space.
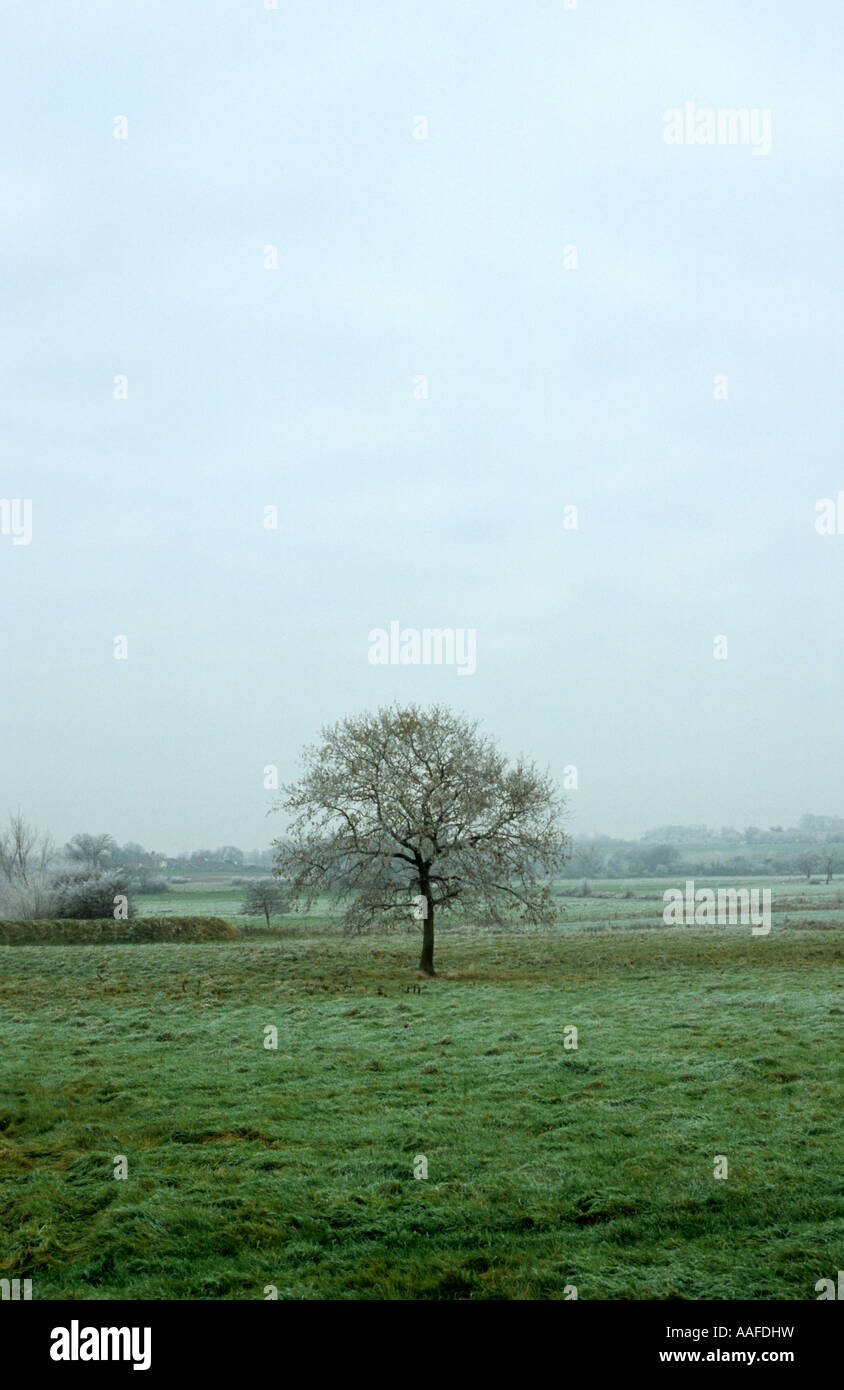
pixel 409 804
pixel 262 897
pixel 23 853
pixel 830 858
pixel 94 851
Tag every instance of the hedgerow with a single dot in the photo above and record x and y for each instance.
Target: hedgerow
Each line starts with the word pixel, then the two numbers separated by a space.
pixel 117 931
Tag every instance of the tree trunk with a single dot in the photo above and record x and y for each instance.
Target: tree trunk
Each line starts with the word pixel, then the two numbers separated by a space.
pixel 426 960
pixel 267 915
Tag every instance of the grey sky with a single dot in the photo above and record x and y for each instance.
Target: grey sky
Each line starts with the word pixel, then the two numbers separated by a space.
pixel 400 257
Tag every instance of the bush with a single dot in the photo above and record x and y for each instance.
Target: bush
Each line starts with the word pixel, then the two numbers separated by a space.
pixel 27 901
pixel 149 885
pixel 118 931
pixel 83 894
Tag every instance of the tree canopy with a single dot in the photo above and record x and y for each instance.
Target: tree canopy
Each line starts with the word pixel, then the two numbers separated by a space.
pixel 410 805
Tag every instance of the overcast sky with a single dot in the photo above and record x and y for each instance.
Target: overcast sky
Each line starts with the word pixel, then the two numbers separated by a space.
pixel 549 386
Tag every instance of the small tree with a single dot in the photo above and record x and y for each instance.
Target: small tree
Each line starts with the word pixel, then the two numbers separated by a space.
pixel 25 857
pixel 410 805
pixel 830 861
pixel 807 862
pixel 263 897
pixel 23 854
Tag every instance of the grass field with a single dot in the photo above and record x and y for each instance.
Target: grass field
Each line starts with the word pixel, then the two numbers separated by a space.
pixel 547 1167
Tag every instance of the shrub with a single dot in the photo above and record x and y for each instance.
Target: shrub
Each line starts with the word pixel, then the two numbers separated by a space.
pixel 83 894
pixel 31 900
pixel 149 885
pixel 110 930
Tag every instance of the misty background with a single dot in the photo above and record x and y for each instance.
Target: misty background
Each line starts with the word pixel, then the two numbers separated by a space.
pixel 400 257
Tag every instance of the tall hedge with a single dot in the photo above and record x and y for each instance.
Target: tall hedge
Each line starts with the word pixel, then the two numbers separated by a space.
pixel 118 931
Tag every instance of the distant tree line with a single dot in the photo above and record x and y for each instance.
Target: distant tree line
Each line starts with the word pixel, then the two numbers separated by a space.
pixel 85 877
pixel 813 848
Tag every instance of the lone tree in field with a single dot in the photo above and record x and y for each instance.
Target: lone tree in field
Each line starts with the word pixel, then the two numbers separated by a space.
pixel 263 897
pixel 411 806
pixel 830 862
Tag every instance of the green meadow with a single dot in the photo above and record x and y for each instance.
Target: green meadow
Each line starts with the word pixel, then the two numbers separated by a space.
pixel 291 1168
